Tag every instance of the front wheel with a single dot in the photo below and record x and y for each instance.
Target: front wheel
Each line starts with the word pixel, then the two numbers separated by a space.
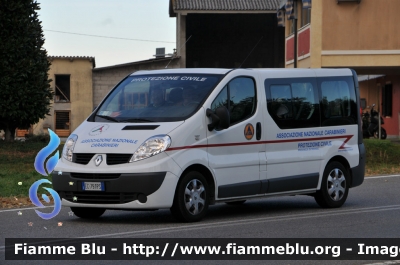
pixel 88 213
pixel 191 198
pixel 334 186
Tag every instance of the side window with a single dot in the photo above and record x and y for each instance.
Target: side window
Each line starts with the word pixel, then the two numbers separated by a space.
pixel 294 104
pixel 304 101
pixel 242 101
pixel 241 92
pixel 338 101
pixel 281 101
pixel 221 99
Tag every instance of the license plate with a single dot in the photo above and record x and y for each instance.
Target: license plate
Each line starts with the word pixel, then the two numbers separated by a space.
pixel 99 186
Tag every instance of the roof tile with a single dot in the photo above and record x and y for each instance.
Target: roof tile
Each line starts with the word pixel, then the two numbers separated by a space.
pixel 91 59
pixel 226 5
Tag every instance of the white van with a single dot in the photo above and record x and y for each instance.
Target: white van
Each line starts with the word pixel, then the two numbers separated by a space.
pixel 187 138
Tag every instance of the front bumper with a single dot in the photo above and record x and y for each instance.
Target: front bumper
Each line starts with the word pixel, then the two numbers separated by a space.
pixel 122 191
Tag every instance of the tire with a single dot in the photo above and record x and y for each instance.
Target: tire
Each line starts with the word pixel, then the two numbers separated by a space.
pixel 191 198
pixel 383 134
pixel 376 134
pixel 88 213
pixel 334 186
pixel 236 202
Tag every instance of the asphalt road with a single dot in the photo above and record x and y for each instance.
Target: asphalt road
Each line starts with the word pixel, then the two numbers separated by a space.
pixel 372 210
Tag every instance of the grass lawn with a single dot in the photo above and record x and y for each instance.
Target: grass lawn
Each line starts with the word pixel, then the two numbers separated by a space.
pixel 16 165
pixel 383 157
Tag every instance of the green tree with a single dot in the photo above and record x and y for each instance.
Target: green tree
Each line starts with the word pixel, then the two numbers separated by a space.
pixel 25 91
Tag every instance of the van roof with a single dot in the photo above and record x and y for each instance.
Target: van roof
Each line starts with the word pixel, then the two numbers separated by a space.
pixel 183 71
pixel 304 72
pixel 293 72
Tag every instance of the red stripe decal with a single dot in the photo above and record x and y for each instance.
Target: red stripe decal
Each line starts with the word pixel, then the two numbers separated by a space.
pixel 348 137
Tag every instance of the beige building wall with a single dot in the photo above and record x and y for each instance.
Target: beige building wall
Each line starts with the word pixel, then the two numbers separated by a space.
pixel 359 34
pixel 368 25
pixel 352 34
pixel 316 34
pixel 81 93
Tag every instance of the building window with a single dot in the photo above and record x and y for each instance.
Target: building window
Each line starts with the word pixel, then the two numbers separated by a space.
pixel 305 16
pixel 295 17
pixel 387 100
pixel 23 132
pixel 363 103
pixel 62 90
pixel 62 121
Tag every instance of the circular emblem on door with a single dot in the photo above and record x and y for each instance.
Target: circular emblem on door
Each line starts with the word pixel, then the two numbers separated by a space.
pixel 249 131
pixel 98 129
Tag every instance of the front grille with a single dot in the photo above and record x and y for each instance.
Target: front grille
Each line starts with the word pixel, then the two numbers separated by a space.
pixel 94 176
pixel 82 159
pixel 115 159
pixel 112 159
pixel 98 197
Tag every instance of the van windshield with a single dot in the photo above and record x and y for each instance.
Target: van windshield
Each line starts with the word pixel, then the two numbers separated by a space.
pixel 156 98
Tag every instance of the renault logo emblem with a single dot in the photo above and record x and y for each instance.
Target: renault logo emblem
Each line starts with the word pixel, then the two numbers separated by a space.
pixel 98 160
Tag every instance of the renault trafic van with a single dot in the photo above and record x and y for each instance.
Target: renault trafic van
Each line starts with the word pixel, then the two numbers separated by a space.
pixel 184 139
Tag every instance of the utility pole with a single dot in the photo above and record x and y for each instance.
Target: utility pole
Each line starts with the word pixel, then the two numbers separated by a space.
pixel 295 33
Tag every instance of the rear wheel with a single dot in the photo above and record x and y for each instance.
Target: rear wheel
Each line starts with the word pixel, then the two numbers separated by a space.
pixel 383 134
pixel 334 186
pixel 191 198
pixel 88 213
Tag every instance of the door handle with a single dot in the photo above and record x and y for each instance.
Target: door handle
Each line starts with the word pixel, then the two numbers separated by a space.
pixel 258 130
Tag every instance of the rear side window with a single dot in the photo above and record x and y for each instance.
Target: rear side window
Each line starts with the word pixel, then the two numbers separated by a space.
pixel 293 103
pixel 338 101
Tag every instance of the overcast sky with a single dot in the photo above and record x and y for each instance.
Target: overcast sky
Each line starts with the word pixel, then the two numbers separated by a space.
pixel 131 19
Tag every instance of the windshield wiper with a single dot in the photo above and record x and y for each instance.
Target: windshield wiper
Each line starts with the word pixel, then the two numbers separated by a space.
pixel 107 118
pixel 136 120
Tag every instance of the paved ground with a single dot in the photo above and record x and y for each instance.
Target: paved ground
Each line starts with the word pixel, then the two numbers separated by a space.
pixel 371 211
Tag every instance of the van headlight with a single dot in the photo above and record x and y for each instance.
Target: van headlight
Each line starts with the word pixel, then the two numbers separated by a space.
pixel 69 147
pixel 151 147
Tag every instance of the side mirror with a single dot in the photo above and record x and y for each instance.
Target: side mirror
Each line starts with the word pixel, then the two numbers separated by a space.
pixel 219 119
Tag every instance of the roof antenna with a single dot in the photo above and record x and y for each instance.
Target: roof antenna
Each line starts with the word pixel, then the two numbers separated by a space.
pixel 251 51
pixel 177 52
